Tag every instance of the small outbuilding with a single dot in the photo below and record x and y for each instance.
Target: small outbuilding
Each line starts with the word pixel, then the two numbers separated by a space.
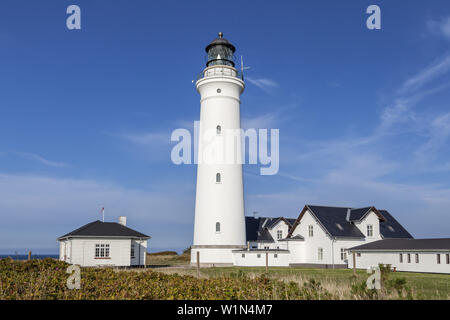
pixel 413 255
pixel 104 244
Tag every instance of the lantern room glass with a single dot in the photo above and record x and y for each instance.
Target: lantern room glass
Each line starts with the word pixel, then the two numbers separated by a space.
pixel 220 55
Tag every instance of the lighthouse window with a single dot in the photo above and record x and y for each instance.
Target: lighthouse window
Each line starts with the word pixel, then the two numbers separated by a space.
pixel 218 178
pixel 217 226
pixel 219 129
pixel 219 90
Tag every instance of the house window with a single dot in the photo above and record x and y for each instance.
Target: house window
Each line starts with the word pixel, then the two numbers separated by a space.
pixel 438 257
pixel 279 234
pixel 217 226
pixel 409 258
pixel 102 250
pixel 343 254
pixel 218 178
pixel 243 255
pixel 358 254
pixel 275 255
pixel 266 248
pixel 369 230
pixel 320 254
pixel 447 256
pixel 258 255
pixel 417 258
pixel 401 257
pixel 310 231
pixel 218 129
pixel 132 250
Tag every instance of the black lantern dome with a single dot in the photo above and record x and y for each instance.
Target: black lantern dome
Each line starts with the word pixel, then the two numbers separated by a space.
pixel 220 52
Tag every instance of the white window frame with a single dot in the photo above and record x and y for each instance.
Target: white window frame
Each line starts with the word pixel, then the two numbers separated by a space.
pixel 279 234
pixel 102 251
pixel 369 230
pixel 400 257
pixel 343 254
pixel 320 254
pixel 132 251
pixel 311 231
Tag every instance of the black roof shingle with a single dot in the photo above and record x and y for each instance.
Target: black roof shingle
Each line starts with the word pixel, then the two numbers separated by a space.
pixel 338 221
pixel 104 229
pixel 405 244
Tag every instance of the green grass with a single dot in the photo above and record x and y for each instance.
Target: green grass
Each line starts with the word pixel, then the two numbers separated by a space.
pixel 424 286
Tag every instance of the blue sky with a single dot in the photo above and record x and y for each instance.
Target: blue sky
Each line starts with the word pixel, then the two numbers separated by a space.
pixel 86 115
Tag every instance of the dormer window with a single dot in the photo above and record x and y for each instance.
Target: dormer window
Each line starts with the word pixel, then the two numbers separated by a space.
pixel 369 230
pixel 279 234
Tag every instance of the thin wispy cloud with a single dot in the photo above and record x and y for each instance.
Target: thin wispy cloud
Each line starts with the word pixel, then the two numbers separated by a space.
pixel 441 27
pixel 265 121
pixel 430 73
pixel 59 205
pixel 144 138
pixel 263 83
pixel 37 158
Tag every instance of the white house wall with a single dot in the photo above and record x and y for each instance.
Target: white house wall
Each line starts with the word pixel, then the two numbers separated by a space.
pixel 427 261
pixel 251 259
pixel 370 219
pixel 312 244
pixel 140 250
pixel 82 251
pixel 280 226
pixel 307 251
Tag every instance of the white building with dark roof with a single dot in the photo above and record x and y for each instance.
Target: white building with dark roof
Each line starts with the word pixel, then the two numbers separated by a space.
pixel 104 244
pixel 340 237
pixel 413 255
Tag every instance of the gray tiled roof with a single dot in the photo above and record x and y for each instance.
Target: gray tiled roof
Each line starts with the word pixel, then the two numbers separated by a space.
pixel 333 217
pixel 357 214
pixel 405 244
pixel 334 220
pixel 104 229
pixel 391 228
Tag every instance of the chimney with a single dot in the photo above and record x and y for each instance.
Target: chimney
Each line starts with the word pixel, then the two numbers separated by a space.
pixel 123 220
pixel 348 215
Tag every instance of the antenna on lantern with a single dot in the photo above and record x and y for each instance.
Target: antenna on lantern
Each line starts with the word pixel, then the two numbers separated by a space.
pixel 242 65
pixel 103 214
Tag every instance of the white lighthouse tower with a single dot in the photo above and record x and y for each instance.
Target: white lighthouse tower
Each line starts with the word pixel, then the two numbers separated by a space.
pixel 219 226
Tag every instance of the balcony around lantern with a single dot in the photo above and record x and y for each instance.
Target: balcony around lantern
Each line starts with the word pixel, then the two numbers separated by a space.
pixel 220 71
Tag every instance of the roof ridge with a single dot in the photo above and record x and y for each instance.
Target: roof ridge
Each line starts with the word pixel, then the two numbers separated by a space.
pixel 316 205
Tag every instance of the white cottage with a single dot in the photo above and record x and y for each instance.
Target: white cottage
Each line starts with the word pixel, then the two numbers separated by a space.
pixel 413 255
pixel 104 244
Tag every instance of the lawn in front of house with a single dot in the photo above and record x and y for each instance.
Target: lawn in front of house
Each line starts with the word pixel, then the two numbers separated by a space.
pixel 423 285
